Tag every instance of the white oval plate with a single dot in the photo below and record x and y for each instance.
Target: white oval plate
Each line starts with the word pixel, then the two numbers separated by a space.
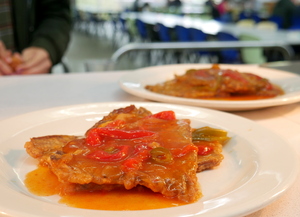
pixel 249 178
pixel 135 82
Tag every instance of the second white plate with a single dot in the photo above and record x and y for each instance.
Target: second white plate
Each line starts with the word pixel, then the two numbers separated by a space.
pixel 135 82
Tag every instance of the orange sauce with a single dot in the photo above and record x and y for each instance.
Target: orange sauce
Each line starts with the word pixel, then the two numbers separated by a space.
pixel 233 98
pixel 249 97
pixel 43 182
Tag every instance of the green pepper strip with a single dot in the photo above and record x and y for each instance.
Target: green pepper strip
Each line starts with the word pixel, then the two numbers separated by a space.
pixel 161 155
pixel 209 134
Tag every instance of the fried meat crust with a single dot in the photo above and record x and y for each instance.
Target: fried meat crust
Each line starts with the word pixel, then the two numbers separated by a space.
pixel 66 156
pixel 216 83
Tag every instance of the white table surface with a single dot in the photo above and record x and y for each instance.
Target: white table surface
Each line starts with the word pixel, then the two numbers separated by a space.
pixel 22 94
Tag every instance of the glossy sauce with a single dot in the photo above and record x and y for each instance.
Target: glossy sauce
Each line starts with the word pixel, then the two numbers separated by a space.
pixel 237 98
pixel 248 97
pixel 42 182
pixel 217 84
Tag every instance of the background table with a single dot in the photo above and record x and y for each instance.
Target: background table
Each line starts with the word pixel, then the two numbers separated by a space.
pixel 22 94
pixel 212 27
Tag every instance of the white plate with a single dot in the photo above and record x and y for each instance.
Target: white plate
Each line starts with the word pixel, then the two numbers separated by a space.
pixel 249 178
pixel 135 82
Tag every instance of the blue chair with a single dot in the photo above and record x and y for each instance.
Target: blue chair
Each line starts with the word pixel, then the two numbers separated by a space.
pixel 225 18
pixel 245 15
pixel 182 34
pixel 197 35
pixel 163 33
pixel 295 22
pixel 228 55
pixel 294 27
pixel 142 29
pixel 249 15
pixel 123 24
pixel 278 20
pixel 120 31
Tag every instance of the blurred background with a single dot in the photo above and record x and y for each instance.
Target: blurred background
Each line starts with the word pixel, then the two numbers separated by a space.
pixel 102 28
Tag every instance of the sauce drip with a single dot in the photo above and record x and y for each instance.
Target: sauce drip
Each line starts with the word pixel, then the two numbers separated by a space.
pixel 42 182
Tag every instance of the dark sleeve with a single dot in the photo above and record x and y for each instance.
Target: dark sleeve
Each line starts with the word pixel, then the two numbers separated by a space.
pixel 53 27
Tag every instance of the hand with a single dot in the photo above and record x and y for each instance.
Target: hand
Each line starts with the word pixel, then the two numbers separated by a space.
pixel 5 60
pixel 35 61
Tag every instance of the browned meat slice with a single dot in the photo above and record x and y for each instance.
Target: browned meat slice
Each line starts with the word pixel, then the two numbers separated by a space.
pixel 127 114
pixel 215 82
pixel 129 147
pixel 46 147
pixel 213 158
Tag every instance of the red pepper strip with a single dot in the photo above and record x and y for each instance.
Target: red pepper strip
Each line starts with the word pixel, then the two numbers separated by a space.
pixel 186 149
pixel 131 164
pixel 165 115
pixel 204 150
pixel 101 155
pixel 95 136
pixel 234 75
pixel 135 163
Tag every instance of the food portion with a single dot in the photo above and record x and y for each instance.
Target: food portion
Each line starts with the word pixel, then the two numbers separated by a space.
pixel 217 83
pixel 16 60
pixel 209 142
pixel 132 147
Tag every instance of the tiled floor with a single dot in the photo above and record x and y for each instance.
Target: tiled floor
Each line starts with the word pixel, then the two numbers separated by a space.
pixel 85 47
pixel 88 47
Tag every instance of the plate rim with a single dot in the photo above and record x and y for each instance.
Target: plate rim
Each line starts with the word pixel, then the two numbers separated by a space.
pixel 263 204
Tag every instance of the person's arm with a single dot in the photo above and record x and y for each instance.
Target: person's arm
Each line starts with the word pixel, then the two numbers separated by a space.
pixel 49 41
pixel 54 27
pixel 4 60
pixel 50 38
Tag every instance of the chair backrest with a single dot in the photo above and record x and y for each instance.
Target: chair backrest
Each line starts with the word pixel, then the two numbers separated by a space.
pixel 251 55
pixel 225 36
pixel 142 29
pixel 295 27
pixel 123 24
pixel 197 35
pixel 246 23
pixel 164 33
pixel 295 22
pixel 267 25
pixel 182 34
pixel 228 55
pixel 276 19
